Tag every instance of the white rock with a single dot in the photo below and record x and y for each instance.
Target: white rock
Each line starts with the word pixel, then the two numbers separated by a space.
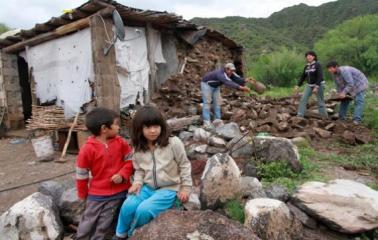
pixel 201 135
pixel 249 186
pixel 201 148
pixel 217 142
pixel 271 219
pixel 193 203
pixel 33 218
pixel 228 131
pixel 343 205
pixel 220 181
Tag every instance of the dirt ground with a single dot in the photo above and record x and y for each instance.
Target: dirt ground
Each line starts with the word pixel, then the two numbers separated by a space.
pixel 19 166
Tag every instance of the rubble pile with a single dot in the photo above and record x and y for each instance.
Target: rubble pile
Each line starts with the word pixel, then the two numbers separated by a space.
pixel 180 96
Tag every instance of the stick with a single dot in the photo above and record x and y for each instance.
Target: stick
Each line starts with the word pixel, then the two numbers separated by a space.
pixel 68 139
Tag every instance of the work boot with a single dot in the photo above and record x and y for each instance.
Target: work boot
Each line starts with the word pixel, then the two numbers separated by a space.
pixel 208 126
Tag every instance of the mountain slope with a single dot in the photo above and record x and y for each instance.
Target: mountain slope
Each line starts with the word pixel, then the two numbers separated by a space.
pixel 298 26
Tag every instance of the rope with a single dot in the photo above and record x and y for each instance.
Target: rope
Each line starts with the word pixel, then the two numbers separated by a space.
pixel 35 182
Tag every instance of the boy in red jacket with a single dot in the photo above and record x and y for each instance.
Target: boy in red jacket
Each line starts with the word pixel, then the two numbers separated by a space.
pixel 107 157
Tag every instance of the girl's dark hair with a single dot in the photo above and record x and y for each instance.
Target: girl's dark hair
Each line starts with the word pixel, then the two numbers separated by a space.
pixel 98 117
pixel 312 53
pixel 147 116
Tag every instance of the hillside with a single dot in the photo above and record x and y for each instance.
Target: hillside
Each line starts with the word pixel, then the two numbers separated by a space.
pixel 298 26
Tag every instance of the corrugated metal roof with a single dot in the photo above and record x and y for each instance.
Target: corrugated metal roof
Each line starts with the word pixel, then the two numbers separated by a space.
pixel 156 18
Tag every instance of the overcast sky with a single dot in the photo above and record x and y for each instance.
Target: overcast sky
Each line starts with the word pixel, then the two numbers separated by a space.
pixel 25 13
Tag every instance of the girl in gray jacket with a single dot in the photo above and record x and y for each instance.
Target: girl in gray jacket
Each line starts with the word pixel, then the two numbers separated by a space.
pixel 162 172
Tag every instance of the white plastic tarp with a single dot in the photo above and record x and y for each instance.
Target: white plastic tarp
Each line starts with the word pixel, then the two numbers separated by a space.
pixel 131 54
pixel 62 70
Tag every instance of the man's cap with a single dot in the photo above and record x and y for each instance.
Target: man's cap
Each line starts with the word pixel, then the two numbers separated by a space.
pixel 230 66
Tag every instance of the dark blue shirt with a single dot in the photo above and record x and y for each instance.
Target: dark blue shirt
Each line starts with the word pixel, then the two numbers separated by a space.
pixel 219 77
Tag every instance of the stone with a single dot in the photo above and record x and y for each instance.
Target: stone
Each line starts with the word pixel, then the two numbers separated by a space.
pixel 71 207
pixel 53 189
pixel 214 150
pixel 193 203
pixel 362 138
pixel 322 133
pixel 200 135
pixel 330 126
pixel 192 128
pixel 35 217
pixel 191 151
pixel 277 192
pixel 249 186
pixel 201 148
pixel 185 136
pixel 193 225
pixel 271 149
pixel 343 205
pixel 283 117
pixel 298 122
pixel 283 126
pixel 217 142
pixel 220 181
pixel 250 170
pixel 239 115
pixel 240 147
pixel 302 216
pixel 271 219
pixel 349 137
pixel 228 131
pixel 263 128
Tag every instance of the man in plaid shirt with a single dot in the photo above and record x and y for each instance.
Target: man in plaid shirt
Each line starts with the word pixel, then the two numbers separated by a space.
pixel 349 82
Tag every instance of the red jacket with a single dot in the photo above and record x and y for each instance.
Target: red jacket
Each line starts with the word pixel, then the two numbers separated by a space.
pixel 103 161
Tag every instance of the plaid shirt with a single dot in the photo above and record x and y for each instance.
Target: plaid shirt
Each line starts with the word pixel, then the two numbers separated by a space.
pixel 350 80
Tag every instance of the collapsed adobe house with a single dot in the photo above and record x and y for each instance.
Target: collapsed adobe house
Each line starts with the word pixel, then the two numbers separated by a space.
pixel 62 63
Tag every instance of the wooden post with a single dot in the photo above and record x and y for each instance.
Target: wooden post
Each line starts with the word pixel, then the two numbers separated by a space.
pixel 108 91
pixel 151 48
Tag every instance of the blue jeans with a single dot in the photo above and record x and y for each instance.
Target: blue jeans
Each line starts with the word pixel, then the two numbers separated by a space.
pixel 306 95
pixel 359 101
pixel 138 210
pixel 210 95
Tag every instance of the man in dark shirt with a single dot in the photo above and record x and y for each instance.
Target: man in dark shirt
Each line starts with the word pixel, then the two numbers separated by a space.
pixel 210 89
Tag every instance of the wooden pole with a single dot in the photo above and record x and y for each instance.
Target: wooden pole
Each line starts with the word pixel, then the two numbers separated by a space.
pixel 62 157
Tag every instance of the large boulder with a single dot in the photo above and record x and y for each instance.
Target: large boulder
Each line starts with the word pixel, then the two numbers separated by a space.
pixel 266 149
pixel 34 217
pixel 271 219
pixel 271 149
pixel 71 207
pixel 343 205
pixel 220 181
pixel 193 225
pixel 228 131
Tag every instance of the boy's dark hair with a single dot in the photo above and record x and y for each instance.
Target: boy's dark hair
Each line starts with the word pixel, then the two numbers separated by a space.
pixel 312 53
pixel 332 64
pixel 98 117
pixel 148 115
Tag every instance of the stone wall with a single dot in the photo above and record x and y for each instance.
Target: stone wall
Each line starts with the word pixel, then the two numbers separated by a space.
pixel 10 91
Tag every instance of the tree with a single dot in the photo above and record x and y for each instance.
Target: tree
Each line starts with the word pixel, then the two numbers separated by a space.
pixel 354 42
pixel 3 28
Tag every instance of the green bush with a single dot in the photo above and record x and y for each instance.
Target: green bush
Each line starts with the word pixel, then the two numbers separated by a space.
pixel 235 211
pixel 281 68
pixel 354 42
pixel 3 28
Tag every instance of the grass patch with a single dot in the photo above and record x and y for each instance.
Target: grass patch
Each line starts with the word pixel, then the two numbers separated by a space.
pixel 281 173
pixel 234 209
